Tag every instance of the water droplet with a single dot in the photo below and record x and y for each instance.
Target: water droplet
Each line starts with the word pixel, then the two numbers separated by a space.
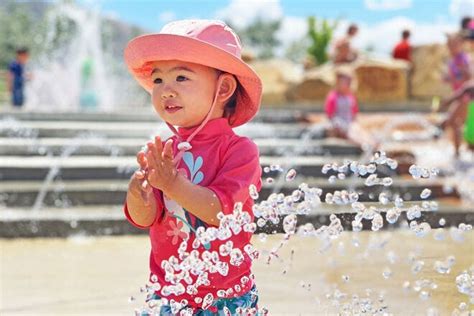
pixel 371 180
pixel 290 175
pixel 345 278
pixel 275 167
pixel 417 266
pixel 392 163
pixel 269 180
pixel 332 179
pixel 383 198
pixel 392 215
pixel 207 301
pixel 387 273
pixel 442 221
pixel 424 295
pixel 371 168
pixel 356 226
pixel 406 285
pixel 387 181
pixel 253 192
pixel 425 193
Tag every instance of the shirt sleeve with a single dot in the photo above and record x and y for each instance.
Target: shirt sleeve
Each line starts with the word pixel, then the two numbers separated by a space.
pixel 330 104
pixel 355 106
pixel 159 210
pixel 239 169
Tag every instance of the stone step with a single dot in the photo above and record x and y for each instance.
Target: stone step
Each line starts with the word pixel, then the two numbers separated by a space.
pixel 80 130
pixel 139 115
pixel 109 192
pixel 287 114
pixel 109 220
pixel 109 167
pixel 130 147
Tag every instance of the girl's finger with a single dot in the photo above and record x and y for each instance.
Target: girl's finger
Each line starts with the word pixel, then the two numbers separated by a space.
pixel 158 145
pixel 168 150
pixel 142 161
pixel 140 174
pixel 146 186
pixel 152 161
pixel 152 148
pixel 145 198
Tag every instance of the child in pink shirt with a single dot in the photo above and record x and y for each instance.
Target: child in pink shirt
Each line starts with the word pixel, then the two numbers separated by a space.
pixel 341 105
pixel 459 66
pixel 192 190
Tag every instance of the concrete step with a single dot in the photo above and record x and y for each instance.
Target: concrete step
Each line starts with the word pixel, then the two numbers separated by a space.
pixel 287 114
pixel 140 115
pixel 130 147
pixel 110 167
pixel 79 129
pixel 109 192
pixel 109 220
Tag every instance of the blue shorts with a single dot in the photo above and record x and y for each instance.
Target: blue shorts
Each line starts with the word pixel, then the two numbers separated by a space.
pixel 248 300
pixel 17 97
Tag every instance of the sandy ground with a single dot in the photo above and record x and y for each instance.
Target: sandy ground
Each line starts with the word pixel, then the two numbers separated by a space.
pixel 98 275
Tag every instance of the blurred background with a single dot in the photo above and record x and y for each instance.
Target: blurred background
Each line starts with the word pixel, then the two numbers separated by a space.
pixel 366 125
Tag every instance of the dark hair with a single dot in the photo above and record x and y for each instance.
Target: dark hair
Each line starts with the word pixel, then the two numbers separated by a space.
pixel 405 34
pixel 465 22
pixel 352 28
pixel 22 50
pixel 231 105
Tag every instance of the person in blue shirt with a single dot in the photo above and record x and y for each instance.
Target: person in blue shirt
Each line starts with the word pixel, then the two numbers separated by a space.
pixel 16 77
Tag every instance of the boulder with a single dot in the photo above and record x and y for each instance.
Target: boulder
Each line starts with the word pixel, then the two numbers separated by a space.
pixel 277 75
pixel 428 67
pixel 382 81
pixel 314 86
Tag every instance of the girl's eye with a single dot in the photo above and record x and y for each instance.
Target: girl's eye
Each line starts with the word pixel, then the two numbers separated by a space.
pixel 181 78
pixel 157 80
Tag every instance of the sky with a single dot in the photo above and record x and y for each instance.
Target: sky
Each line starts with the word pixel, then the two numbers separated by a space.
pixel 380 21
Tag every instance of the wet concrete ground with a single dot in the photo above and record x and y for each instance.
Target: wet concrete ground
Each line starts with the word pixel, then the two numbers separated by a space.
pixel 97 275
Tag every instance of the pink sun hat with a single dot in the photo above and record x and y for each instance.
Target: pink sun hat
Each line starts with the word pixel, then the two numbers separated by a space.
pixel 206 42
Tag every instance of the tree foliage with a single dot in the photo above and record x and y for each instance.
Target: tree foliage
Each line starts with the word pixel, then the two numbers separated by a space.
pixel 261 36
pixel 320 35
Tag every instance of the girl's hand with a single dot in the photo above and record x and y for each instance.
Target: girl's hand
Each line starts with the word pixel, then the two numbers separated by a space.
pixel 139 183
pixel 161 170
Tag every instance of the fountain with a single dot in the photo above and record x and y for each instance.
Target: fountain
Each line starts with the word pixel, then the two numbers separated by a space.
pixel 78 71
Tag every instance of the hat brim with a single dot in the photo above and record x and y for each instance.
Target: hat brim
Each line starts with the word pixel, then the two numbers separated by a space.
pixel 156 47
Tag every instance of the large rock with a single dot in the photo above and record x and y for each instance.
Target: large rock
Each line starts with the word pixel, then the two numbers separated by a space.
pixel 374 81
pixel 428 67
pixel 382 81
pixel 277 75
pixel 314 86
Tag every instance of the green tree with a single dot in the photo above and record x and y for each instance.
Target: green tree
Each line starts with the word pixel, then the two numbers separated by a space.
pixel 261 36
pixel 22 26
pixel 320 35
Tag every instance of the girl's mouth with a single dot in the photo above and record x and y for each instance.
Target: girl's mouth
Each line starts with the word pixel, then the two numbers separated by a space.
pixel 172 108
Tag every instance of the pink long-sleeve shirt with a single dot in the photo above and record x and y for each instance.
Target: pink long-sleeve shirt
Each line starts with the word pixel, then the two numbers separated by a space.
pixel 226 164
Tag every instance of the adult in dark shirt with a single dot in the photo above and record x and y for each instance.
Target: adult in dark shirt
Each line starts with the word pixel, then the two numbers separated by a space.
pixel 16 77
pixel 403 49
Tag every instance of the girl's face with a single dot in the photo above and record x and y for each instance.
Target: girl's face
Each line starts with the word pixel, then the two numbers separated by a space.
pixel 343 84
pixel 454 46
pixel 183 92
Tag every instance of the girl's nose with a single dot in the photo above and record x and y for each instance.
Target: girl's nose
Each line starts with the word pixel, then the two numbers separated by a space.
pixel 168 93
